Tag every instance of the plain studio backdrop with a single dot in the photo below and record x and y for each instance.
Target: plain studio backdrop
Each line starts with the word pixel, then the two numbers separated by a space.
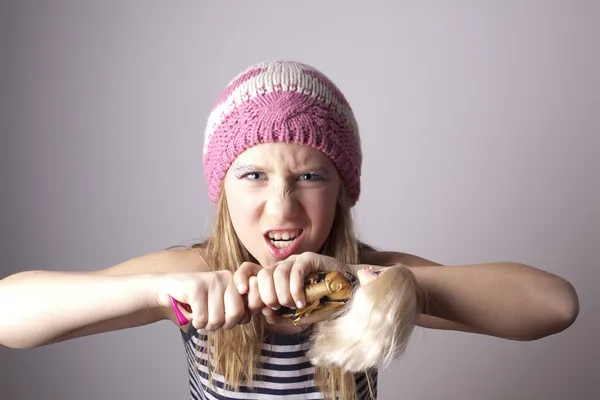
pixel 479 121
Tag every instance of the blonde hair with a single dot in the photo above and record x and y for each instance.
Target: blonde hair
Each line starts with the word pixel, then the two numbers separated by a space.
pixel 236 353
pixel 373 328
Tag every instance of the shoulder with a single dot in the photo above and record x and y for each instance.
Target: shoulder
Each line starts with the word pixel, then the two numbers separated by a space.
pixel 171 260
pixel 385 258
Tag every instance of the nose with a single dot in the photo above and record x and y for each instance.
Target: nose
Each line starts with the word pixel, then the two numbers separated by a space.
pixel 281 203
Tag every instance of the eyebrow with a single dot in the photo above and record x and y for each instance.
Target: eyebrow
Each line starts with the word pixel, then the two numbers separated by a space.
pixel 321 171
pixel 241 169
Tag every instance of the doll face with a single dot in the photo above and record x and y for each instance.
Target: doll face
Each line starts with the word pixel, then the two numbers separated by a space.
pixel 282 199
pixel 369 274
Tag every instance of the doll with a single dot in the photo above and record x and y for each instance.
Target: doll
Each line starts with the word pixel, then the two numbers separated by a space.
pixel 324 292
pixel 372 317
pixel 372 321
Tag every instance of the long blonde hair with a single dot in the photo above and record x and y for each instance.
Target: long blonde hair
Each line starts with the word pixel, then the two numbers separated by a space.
pixel 374 327
pixel 236 352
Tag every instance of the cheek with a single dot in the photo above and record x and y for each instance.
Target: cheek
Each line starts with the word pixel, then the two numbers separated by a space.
pixel 243 214
pixel 320 209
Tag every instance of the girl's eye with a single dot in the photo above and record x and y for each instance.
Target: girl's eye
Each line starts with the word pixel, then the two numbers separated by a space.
pixel 310 177
pixel 253 176
pixel 375 273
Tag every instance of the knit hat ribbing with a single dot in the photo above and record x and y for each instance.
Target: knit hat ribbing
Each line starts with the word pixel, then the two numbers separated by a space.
pixel 282 101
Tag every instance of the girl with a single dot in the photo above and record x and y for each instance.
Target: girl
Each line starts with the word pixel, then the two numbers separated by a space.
pixel 282 161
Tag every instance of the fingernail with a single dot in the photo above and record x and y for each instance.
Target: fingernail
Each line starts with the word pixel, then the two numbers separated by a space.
pixel 241 287
pixel 300 304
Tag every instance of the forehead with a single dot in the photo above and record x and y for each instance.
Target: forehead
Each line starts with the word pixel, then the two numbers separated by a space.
pixel 283 155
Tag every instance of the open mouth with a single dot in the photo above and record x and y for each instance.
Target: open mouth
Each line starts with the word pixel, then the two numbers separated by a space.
pixel 282 240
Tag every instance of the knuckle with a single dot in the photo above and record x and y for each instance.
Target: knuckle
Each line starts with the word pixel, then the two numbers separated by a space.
pixel 287 301
pixel 235 316
pixel 265 273
pixel 298 271
pixel 281 272
pixel 247 268
pixel 307 255
pixel 243 267
pixel 196 285
pixel 215 322
pixel 221 280
pixel 271 302
pixel 255 303
pixel 245 318
pixel 254 306
pixel 292 258
pixel 200 321
pixel 226 274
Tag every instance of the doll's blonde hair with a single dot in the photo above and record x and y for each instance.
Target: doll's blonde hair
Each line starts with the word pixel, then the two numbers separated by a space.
pixel 236 352
pixel 375 326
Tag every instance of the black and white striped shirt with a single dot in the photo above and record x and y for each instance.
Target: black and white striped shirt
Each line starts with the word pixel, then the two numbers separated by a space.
pixel 285 372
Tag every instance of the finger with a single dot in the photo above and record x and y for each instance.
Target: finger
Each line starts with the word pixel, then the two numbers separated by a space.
pixel 199 309
pixel 216 306
pixel 255 302
pixel 297 276
pixel 243 274
pixel 234 307
pixel 247 314
pixel 281 279
pixel 272 318
pixel 266 288
pixel 246 318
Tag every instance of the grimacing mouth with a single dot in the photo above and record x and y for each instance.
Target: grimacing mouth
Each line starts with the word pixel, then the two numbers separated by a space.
pixel 282 238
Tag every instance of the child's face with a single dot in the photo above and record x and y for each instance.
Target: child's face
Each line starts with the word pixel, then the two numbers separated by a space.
pixel 282 199
pixel 368 274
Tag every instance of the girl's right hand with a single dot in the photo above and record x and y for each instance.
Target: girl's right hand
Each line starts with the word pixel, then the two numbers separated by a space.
pixel 209 300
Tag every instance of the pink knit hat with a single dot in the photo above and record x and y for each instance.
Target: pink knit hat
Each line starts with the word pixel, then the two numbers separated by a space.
pixel 282 101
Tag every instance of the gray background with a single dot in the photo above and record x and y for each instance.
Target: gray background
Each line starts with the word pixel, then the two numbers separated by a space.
pixel 480 127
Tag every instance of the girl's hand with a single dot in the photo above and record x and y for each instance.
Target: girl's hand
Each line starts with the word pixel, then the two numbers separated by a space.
pixel 283 283
pixel 209 300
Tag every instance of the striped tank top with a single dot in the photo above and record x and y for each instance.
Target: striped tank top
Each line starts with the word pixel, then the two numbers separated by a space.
pixel 285 372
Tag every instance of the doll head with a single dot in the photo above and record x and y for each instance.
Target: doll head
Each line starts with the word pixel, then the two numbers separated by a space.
pixel 369 274
pixel 376 325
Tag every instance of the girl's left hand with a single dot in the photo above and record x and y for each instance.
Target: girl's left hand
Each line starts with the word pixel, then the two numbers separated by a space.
pixel 282 284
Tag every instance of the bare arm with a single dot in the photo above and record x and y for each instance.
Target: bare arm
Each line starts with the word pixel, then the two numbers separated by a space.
pixel 503 299
pixel 43 307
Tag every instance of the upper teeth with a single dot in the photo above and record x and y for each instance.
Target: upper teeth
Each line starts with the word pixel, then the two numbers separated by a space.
pixel 284 235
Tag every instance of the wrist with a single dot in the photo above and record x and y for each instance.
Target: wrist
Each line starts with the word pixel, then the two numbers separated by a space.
pixel 153 284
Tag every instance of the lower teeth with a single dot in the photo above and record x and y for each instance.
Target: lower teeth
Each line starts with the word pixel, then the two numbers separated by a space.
pixel 282 244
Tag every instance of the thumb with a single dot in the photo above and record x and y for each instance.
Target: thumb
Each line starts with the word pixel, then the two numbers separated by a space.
pixel 241 276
